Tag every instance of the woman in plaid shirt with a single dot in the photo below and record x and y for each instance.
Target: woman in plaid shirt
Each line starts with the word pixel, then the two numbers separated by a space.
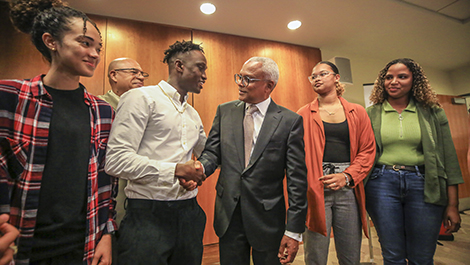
pixel 53 137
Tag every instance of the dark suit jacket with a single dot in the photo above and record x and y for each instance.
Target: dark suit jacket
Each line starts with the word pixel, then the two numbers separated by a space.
pixel 279 152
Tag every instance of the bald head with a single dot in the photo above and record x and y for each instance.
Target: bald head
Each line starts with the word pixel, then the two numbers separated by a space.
pixel 125 74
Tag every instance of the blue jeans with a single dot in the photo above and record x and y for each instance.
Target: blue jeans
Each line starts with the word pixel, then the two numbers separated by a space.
pixel 407 227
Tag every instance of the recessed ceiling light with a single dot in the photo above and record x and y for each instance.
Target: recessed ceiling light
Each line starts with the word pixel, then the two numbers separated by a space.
pixel 294 24
pixel 207 8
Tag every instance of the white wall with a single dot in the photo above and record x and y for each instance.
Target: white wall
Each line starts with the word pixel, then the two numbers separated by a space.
pixel 461 80
pixel 365 70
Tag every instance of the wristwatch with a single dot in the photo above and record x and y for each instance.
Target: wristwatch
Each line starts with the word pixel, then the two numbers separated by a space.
pixel 349 183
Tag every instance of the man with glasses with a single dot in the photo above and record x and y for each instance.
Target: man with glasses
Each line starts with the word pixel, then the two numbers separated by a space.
pixel 153 137
pixel 123 74
pixel 256 143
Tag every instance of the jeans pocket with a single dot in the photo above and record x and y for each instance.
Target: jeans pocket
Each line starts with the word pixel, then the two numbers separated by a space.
pixel 376 172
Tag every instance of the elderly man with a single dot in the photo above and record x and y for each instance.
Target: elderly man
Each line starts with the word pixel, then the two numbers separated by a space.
pixel 123 74
pixel 256 143
pixel 155 132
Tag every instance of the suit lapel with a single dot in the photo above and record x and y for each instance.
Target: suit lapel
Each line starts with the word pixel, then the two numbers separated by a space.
pixel 236 121
pixel 270 124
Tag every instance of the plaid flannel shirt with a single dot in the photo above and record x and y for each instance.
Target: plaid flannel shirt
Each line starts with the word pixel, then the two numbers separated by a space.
pixel 25 115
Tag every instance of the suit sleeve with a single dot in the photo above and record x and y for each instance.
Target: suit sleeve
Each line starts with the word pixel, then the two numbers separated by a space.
pixel 296 174
pixel 210 157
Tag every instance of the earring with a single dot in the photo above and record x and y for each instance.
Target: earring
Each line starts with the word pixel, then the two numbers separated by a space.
pixel 53 49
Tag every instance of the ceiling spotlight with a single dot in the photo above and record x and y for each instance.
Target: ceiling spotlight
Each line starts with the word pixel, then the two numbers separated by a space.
pixel 294 24
pixel 207 8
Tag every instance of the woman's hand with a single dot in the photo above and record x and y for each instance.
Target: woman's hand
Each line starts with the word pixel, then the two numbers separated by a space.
pixel 334 181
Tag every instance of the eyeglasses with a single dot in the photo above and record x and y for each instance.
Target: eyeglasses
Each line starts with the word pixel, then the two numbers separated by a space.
pixel 322 75
pixel 245 80
pixel 134 71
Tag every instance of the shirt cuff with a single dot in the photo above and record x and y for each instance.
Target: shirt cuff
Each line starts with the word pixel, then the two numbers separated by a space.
pixel 295 236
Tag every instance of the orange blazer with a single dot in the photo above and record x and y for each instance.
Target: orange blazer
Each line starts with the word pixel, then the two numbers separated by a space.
pixel 362 150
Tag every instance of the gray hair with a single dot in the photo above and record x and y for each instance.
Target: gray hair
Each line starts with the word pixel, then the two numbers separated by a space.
pixel 268 66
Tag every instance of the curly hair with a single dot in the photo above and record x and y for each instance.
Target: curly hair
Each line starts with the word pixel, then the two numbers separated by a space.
pixel 421 91
pixel 45 16
pixel 180 47
pixel 339 86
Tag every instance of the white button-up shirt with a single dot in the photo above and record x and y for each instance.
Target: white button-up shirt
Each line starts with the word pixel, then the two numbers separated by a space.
pixel 152 132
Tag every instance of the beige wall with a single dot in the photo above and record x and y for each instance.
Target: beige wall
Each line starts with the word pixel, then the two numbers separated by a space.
pixel 365 70
pixel 461 80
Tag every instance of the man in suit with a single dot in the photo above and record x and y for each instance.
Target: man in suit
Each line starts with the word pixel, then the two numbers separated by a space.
pixel 250 211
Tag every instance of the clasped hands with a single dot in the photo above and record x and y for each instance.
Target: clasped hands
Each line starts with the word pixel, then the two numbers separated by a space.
pixel 190 174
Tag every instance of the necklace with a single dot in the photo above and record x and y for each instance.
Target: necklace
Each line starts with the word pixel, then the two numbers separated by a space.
pixel 329 113
pixel 172 102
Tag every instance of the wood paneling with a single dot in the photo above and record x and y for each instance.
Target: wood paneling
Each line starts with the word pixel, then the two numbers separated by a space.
pixel 143 42
pixel 225 56
pixel 457 116
pixel 19 59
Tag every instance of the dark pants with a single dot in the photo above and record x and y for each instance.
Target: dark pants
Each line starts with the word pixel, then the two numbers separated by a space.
pixel 234 247
pixel 161 232
pixel 72 258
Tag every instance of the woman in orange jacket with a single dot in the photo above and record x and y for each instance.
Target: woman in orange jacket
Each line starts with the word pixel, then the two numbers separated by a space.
pixel 339 153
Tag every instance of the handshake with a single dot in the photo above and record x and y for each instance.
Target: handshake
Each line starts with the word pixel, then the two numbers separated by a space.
pixel 190 174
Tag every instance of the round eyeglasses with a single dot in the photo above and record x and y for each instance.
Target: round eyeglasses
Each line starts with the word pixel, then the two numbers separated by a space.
pixel 133 71
pixel 245 80
pixel 321 75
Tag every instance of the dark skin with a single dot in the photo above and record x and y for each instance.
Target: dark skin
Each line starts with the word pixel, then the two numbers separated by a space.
pixel 188 74
pixel 398 84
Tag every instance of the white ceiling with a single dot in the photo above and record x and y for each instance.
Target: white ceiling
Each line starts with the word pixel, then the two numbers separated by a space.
pixel 380 29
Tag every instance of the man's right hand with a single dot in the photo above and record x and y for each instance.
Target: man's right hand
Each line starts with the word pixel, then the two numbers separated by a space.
pixel 190 171
pixel 8 234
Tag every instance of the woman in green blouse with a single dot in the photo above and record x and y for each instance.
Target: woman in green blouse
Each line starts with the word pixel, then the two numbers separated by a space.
pixel 413 187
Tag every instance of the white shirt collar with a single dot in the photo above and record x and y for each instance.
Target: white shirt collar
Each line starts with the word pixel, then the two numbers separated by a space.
pixel 262 106
pixel 172 92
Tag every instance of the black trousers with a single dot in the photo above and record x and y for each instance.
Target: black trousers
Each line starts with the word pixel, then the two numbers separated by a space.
pixel 73 258
pixel 161 233
pixel 234 247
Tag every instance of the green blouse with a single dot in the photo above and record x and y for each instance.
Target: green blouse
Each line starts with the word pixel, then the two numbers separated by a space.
pixel 401 137
pixel 442 167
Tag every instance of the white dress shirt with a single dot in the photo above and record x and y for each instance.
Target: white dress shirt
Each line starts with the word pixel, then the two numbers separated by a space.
pixel 152 132
pixel 258 118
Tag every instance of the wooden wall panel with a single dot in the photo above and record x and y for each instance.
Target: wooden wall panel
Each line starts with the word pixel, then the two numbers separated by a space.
pixel 143 42
pixel 225 56
pixel 458 123
pixel 19 59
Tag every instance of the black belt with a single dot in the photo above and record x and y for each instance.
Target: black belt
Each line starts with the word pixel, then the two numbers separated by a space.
pixel 156 205
pixel 407 168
